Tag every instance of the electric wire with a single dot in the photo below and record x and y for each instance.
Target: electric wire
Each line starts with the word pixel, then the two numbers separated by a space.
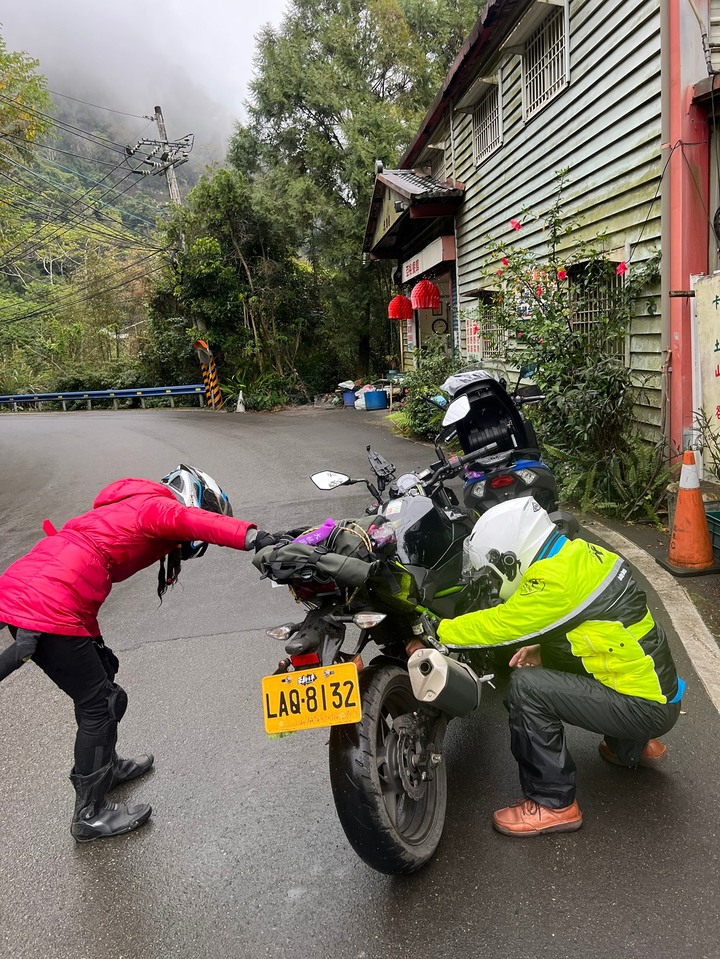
pixel 49 146
pixel 68 127
pixel 80 295
pixel 46 215
pixel 74 218
pixel 121 113
pixel 67 189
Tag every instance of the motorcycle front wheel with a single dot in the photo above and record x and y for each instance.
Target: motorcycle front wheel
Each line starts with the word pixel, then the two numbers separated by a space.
pixel 388 781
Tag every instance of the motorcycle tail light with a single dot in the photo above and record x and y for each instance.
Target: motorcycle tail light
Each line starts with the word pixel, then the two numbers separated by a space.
pixel 501 481
pixel 478 490
pixel 280 632
pixel 304 660
pixel 368 620
pixel 527 476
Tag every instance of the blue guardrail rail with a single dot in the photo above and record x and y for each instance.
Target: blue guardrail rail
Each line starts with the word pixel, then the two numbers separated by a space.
pixel 71 396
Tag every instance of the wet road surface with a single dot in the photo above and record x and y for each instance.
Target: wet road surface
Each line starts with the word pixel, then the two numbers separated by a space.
pixel 244 855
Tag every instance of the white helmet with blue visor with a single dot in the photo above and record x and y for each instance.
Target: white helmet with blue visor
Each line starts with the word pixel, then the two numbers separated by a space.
pixel 193 487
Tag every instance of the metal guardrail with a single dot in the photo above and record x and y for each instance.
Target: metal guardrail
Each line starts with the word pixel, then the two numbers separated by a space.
pixel 169 392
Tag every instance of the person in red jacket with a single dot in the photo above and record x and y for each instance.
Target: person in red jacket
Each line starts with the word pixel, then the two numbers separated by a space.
pixel 50 599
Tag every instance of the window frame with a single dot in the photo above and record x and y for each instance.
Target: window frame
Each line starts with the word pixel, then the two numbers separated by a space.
pixel 583 319
pixel 558 14
pixel 495 89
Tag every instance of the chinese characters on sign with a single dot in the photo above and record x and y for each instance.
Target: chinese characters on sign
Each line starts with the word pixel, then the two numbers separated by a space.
pixel 707 361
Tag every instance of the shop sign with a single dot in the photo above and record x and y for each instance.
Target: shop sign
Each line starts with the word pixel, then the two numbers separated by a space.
pixel 436 252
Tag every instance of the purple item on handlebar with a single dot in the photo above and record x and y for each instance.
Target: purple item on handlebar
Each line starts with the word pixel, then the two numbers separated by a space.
pixel 318 535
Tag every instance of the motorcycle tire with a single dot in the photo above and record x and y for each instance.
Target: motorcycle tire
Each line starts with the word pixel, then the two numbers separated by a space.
pixel 390 831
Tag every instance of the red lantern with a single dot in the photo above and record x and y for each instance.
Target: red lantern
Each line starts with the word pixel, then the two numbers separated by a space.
pixel 425 296
pixel 400 308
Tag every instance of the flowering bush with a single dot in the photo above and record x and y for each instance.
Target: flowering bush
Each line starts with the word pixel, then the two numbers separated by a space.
pixel 567 314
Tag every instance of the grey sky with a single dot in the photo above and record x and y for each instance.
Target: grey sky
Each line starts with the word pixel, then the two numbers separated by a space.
pixel 193 57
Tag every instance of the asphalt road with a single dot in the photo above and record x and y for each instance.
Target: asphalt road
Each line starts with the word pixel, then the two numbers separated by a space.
pixel 244 855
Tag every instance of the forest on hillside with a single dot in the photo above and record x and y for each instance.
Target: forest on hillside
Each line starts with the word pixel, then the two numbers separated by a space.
pixel 105 283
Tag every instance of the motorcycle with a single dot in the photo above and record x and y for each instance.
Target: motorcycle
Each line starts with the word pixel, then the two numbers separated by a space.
pixel 487 419
pixel 390 574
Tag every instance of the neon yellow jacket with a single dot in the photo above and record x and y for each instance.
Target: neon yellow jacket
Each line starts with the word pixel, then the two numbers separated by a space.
pixel 584 608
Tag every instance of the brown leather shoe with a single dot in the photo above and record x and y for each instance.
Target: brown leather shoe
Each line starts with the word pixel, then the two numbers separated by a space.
pixel 654 752
pixel 527 818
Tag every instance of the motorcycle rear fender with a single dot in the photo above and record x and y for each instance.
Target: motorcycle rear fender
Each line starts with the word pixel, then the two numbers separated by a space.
pixel 317 632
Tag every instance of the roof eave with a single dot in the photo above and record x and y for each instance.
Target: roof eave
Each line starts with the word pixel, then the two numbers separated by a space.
pixel 496 21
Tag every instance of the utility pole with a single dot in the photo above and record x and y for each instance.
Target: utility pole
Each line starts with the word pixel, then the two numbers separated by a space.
pixel 170 168
pixel 161 156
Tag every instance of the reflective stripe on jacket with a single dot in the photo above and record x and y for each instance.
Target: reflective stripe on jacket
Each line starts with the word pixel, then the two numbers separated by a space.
pixel 584 608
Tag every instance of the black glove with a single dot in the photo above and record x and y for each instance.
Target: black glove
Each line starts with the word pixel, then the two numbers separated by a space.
pixel 263 539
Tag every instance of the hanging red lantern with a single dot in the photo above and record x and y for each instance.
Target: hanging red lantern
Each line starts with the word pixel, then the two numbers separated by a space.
pixel 400 308
pixel 425 296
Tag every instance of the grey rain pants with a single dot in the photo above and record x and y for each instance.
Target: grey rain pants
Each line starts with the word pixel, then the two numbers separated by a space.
pixel 540 700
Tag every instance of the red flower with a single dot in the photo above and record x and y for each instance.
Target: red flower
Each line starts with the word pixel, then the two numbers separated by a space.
pixel 505 261
pixel 622 267
pixel 499 272
pixel 539 291
pixel 516 224
pixel 562 274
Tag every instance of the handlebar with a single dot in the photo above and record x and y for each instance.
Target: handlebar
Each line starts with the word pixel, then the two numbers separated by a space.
pixel 455 464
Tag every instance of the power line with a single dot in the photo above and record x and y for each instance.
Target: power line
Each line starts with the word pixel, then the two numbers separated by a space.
pixel 47 215
pixel 67 127
pixel 74 297
pixel 60 232
pixel 54 149
pixel 107 109
pixel 82 176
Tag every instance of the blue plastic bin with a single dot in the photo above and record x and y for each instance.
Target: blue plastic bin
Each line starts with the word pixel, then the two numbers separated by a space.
pixel 349 398
pixel 376 400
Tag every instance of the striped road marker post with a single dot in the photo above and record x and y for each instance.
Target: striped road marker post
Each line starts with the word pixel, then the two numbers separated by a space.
pixel 209 372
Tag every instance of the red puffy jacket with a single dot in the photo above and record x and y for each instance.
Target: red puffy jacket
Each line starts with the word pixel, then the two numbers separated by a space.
pixel 59 586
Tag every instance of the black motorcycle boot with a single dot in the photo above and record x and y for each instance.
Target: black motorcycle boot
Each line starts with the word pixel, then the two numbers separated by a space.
pixel 126 769
pixel 94 817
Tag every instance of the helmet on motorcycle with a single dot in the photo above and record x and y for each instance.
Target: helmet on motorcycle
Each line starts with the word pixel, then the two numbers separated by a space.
pixel 508 538
pixel 192 487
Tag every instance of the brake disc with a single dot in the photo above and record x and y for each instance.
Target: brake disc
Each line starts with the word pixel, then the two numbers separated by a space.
pixel 409 759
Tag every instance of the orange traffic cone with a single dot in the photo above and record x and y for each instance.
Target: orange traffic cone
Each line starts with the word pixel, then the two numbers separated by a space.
pixel 691 552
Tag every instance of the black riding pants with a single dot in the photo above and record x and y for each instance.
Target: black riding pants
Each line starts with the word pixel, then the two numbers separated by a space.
pixel 540 700
pixel 84 671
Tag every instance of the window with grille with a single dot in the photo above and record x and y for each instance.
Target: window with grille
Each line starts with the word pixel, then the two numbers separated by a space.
pixel 594 295
pixel 545 62
pixel 439 168
pixel 484 338
pixel 487 123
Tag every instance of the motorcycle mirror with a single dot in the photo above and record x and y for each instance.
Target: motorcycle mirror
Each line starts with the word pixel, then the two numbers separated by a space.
pixel 457 411
pixel 328 479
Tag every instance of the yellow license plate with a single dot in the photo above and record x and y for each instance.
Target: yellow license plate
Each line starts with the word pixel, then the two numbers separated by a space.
pixel 309 698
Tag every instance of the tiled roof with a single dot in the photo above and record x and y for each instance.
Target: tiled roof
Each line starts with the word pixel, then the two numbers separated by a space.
pixel 418 186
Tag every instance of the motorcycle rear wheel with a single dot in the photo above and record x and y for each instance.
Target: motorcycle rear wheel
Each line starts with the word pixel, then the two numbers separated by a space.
pixel 372 774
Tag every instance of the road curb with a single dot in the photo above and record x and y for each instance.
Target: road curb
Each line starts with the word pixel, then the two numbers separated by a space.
pixel 699 642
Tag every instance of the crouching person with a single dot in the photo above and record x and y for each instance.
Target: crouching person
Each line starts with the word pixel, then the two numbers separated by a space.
pixel 594 657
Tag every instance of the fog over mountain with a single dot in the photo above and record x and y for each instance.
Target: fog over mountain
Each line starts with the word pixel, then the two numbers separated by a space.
pixel 193 59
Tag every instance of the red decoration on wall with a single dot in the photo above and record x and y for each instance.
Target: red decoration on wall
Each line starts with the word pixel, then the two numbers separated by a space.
pixel 400 308
pixel 425 296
